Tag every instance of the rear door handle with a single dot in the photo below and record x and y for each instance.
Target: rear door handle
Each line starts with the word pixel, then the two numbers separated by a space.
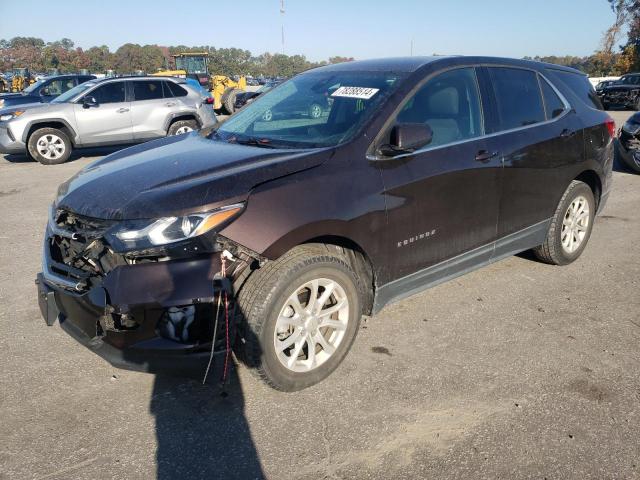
pixel 122 110
pixel 484 156
pixel 170 104
pixel 566 133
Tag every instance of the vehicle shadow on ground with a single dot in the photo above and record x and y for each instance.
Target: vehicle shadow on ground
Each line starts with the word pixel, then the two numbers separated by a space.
pixel 201 431
pixel 75 155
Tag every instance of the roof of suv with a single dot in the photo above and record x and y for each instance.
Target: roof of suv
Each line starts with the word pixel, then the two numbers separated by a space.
pixel 412 64
pixel 140 77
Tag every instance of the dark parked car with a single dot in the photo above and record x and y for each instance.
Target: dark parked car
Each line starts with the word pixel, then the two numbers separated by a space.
pixel 629 142
pixel 600 86
pixel 274 238
pixel 622 93
pixel 43 91
pixel 242 98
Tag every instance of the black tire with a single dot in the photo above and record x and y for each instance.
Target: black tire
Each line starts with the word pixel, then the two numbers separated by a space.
pixel 552 250
pixel 605 105
pixel 51 133
pixel 630 158
pixel 229 100
pixel 265 294
pixel 181 124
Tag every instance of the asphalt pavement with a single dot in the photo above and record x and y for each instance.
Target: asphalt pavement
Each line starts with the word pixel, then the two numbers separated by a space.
pixel 517 370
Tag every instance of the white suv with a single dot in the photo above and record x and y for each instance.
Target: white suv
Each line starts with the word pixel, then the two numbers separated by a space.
pixel 110 111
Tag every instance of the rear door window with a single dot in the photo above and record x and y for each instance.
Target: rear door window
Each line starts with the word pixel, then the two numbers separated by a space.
pixel 553 105
pixel 518 98
pixel 147 90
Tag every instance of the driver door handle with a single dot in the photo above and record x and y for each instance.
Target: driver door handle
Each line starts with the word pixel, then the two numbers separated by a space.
pixel 484 156
pixel 122 110
pixel 566 133
pixel 170 104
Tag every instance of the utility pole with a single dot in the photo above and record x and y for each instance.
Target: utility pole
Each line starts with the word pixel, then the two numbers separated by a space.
pixel 411 51
pixel 282 23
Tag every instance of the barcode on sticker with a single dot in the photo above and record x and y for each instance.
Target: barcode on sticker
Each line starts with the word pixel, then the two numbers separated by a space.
pixel 355 92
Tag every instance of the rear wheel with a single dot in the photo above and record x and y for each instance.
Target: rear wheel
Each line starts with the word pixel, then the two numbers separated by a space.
pixel 570 227
pixel 182 126
pixel 302 314
pixel 49 146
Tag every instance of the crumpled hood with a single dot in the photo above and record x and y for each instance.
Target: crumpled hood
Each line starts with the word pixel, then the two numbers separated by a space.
pixel 176 175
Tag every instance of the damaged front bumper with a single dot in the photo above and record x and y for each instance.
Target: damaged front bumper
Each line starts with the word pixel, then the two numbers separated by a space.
pixel 122 315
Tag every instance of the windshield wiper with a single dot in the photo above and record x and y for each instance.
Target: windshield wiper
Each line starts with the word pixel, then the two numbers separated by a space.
pixel 253 141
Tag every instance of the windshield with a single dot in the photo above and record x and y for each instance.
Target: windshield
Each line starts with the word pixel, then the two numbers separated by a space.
pixel 69 94
pixel 196 64
pixel 34 86
pixel 315 109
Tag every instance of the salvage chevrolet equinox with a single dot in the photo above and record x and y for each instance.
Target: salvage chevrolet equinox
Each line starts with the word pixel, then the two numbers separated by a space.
pixel 272 237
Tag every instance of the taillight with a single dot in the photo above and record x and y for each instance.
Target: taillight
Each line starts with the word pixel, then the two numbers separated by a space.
pixel 611 126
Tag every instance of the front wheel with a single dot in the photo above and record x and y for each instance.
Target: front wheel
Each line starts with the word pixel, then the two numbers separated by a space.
pixel 301 313
pixel 49 146
pixel 570 227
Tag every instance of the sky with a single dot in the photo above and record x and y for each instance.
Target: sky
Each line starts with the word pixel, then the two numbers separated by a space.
pixel 320 29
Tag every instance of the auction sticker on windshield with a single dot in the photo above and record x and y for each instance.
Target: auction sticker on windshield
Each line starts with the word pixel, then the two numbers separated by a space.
pixel 355 92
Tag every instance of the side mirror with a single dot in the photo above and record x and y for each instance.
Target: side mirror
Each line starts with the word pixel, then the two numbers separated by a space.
pixel 406 138
pixel 89 101
pixel 45 91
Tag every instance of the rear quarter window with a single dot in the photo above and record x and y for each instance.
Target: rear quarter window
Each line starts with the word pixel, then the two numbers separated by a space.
pixel 175 90
pixel 579 86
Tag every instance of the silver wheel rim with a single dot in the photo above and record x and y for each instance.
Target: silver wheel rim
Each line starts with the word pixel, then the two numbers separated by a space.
pixel 316 111
pixel 311 325
pixel 267 116
pixel 575 224
pixel 182 130
pixel 50 146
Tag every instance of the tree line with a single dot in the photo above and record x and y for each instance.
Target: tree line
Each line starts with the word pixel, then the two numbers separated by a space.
pixel 40 56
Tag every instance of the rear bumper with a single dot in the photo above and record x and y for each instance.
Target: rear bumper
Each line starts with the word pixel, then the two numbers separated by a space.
pixel 144 293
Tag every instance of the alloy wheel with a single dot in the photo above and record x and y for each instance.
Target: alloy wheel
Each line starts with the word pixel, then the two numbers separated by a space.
pixel 50 146
pixel 311 324
pixel 575 224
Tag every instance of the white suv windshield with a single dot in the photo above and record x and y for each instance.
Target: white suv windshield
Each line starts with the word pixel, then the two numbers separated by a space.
pixel 69 94
pixel 315 109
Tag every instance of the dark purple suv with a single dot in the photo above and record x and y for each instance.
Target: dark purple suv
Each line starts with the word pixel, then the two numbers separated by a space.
pixel 274 236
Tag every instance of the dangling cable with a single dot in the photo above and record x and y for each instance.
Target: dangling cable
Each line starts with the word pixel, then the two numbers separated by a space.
pixel 213 341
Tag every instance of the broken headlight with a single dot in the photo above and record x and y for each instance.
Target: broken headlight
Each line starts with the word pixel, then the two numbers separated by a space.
pixel 631 126
pixel 142 234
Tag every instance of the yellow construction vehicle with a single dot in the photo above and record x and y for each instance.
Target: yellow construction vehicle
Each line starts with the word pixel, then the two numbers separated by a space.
pixel 195 65
pixel 224 90
pixel 189 64
pixel 5 85
pixel 21 79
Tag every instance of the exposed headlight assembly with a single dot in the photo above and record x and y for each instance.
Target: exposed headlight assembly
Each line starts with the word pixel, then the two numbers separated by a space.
pixel 631 127
pixel 5 117
pixel 141 234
